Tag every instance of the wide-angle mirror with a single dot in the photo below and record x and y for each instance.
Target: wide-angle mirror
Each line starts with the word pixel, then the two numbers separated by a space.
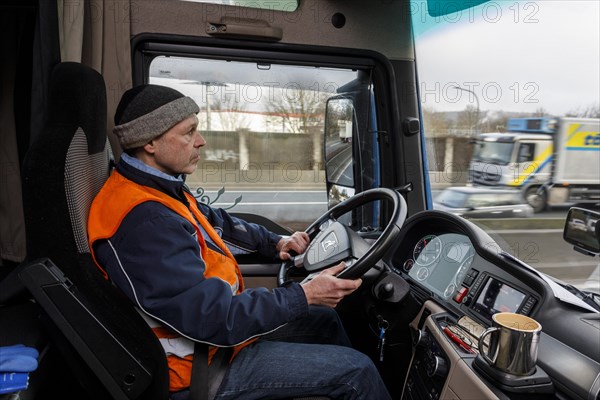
pixel 339 131
pixel 583 230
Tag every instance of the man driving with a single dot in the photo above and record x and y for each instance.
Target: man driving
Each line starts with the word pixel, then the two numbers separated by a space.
pixel 173 257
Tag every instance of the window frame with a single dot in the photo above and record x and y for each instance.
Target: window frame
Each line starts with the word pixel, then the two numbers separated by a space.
pixel 147 46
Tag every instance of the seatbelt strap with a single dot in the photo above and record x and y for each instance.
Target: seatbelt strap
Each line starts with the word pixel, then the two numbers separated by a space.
pixel 199 380
pixel 217 369
pixel 205 380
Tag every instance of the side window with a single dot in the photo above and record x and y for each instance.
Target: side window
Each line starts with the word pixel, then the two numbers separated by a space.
pixel 526 152
pixel 264 128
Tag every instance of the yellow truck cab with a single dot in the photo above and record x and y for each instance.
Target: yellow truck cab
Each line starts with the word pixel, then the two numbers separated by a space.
pixel 550 160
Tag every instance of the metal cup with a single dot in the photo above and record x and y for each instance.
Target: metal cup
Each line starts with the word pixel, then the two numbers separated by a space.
pixel 513 343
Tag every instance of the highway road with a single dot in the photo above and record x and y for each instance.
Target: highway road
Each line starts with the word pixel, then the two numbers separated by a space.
pixel 543 249
pixel 293 209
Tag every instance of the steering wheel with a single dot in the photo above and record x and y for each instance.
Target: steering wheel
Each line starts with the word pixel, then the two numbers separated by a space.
pixel 333 242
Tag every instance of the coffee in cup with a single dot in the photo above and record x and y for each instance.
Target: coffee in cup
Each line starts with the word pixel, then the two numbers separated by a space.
pixel 513 343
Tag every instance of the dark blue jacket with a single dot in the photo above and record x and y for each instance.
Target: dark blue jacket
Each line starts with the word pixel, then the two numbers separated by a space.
pixel 154 258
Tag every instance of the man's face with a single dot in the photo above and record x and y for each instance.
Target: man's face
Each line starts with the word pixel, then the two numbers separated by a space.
pixel 176 151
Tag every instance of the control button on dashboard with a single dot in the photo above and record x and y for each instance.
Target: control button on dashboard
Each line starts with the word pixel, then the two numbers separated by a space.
pixel 473 273
pixel 531 301
pixel 526 309
pixel 460 295
pixel 477 284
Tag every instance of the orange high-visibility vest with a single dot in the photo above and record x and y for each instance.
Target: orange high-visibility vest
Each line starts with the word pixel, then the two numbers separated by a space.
pixel 116 199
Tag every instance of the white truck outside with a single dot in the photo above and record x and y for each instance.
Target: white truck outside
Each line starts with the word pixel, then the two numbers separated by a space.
pixel 551 160
pixel 345 131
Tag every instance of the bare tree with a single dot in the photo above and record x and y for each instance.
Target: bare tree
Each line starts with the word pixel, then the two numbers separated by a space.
pixel 436 124
pixel 540 112
pixel 468 119
pixel 497 123
pixel 590 111
pixel 300 109
pixel 230 113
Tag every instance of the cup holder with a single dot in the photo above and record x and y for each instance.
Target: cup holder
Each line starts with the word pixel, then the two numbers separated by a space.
pixel 538 382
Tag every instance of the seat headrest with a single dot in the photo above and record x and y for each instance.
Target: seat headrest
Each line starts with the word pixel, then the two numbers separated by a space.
pixel 77 96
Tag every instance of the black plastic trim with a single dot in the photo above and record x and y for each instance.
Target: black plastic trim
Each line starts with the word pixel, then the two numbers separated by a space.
pixel 123 376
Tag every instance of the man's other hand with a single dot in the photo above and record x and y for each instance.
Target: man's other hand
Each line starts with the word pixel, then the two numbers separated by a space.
pixel 326 289
pixel 298 242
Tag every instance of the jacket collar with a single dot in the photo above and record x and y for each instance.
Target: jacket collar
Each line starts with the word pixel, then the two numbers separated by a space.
pixel 143 174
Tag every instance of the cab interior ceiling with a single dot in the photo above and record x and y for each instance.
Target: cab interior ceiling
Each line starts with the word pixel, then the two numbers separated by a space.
pixel 384 29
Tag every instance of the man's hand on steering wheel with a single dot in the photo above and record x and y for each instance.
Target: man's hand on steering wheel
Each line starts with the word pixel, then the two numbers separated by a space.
pixel 332 241
pixel 327 290
pixel 298 243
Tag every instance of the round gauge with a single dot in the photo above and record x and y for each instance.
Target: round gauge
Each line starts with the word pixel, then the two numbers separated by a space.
pixel 408 264
pixel 462 270
pixel 449 291
pixel 422 273
pixel 427 250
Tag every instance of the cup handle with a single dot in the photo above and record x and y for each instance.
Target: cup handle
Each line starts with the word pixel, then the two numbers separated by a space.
pixel 481 344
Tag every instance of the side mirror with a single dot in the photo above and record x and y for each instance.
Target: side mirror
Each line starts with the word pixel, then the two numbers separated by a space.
pixel 340 127
pixel 582 230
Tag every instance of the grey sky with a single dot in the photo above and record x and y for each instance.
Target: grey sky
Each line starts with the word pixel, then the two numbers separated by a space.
pixel 516 56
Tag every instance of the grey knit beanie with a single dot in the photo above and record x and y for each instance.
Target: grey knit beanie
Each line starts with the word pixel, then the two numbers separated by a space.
pixel 147 111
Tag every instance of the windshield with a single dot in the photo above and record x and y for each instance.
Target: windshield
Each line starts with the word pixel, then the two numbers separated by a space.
pixel 480 67
pixel 493 152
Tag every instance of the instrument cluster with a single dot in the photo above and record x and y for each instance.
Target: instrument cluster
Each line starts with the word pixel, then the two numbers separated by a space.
pixel 440 262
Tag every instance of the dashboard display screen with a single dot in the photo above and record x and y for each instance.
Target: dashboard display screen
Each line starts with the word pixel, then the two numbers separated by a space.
pixel 441 262
pixel 497 297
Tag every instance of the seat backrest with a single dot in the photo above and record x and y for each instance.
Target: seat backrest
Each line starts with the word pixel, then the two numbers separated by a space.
pixel 64 168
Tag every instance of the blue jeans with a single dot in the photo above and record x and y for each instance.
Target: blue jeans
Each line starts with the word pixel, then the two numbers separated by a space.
pixel 308 357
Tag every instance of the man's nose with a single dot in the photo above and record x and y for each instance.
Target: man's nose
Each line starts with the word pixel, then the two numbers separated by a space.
pixel 199 141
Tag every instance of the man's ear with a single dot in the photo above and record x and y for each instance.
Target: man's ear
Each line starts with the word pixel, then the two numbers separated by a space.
pixel 150 147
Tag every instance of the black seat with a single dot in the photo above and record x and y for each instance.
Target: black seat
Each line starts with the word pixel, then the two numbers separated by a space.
pixel 110 349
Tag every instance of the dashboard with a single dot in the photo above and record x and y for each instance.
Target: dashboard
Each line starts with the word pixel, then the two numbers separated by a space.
pixel 461 278
pixel 445 265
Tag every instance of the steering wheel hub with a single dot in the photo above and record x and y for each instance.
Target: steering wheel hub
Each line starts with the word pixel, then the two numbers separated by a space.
pixel 333 242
